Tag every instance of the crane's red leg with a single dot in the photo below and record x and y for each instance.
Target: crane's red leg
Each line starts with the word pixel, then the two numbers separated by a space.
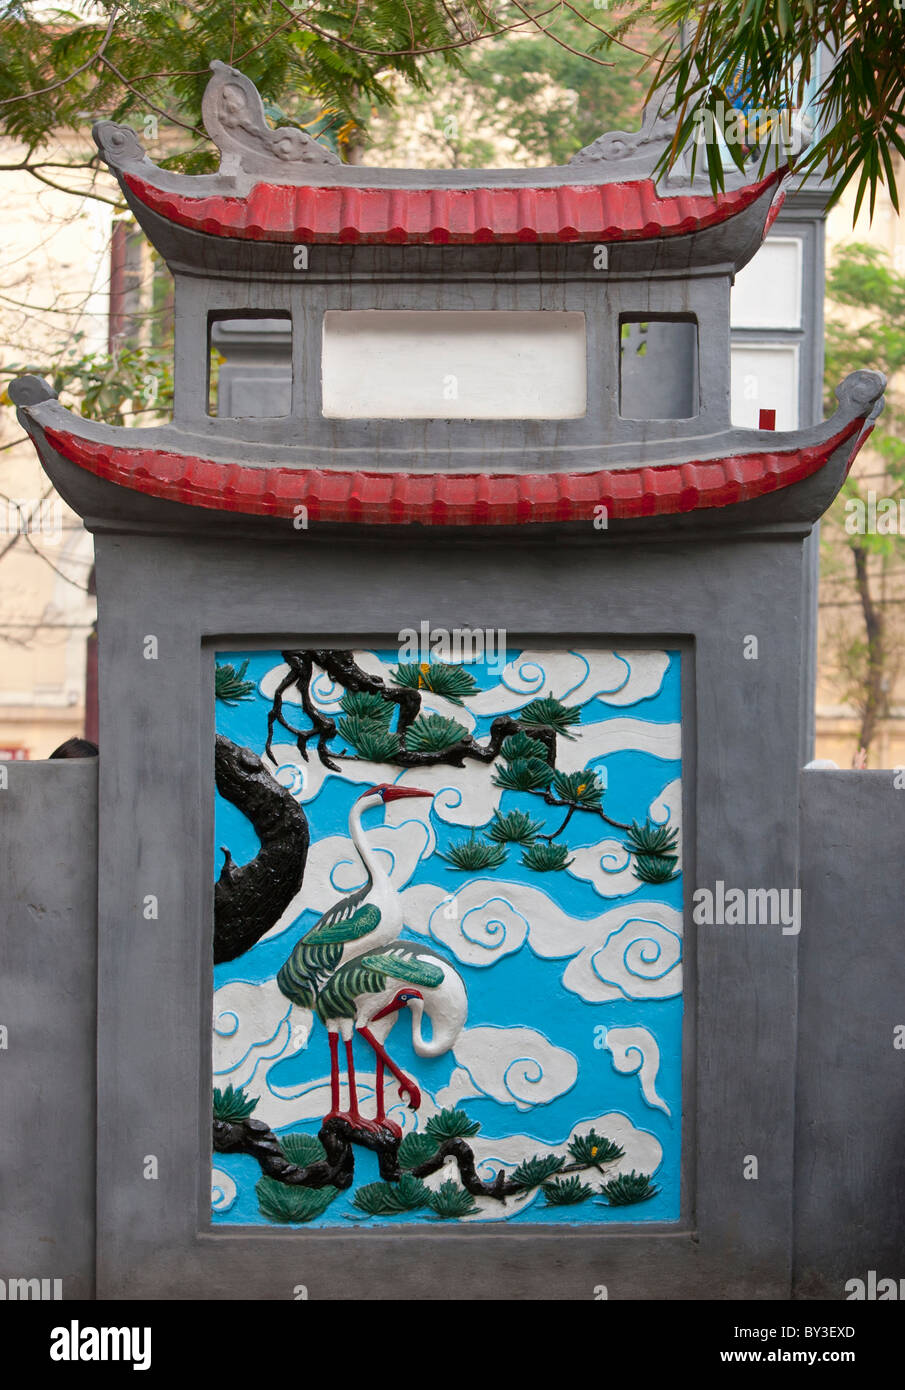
pixel 334 1074
pixel 378 1089
pixel 353 1115
pixel 353 1094
pixel 407 1087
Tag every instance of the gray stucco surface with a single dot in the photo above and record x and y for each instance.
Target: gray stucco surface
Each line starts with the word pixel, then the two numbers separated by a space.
pixel 48 974
pixel 850 1125
pixel 156 837
pixel 756 999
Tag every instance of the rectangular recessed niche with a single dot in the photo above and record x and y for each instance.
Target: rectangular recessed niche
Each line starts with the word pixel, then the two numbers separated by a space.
pixel 408 364
pixel 658 366
pixel 249 364
pixel 764 376
pixel 767 291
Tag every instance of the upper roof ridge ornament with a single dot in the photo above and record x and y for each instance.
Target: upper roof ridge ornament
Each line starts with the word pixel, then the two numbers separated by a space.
pixel 624 144
pixel 234 119
pixel 120 146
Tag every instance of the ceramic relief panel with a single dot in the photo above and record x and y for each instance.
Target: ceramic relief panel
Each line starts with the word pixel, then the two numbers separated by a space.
pixel 448 938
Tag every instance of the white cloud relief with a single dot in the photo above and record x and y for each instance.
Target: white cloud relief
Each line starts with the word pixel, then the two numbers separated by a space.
pixel 613 678
pixel 635 1052
pixel 629 952
pixel 514 1066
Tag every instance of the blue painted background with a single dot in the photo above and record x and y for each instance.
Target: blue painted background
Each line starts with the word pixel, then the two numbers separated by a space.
pixel 521 989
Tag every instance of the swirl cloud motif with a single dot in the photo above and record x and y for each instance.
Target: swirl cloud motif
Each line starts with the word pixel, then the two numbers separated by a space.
pixel 627 953
pixel 484 931
pixel 607 866
pixel 254 1023
pixel 635 1051
pixel 515 1066
pixel 641 959
pixel 615 679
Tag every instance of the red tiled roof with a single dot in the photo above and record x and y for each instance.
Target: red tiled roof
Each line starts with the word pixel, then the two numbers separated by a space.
pixel 463 216
pixel 448 499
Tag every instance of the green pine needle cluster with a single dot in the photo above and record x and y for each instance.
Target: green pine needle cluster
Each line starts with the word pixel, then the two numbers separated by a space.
pixel 627 1189
pixel 302 1149
pixel 229 685
pixel 552 714
pixel 391 1199
pixel 371 738
pixel 523 775
pixel 451 1124
pixel 532 1172
pixel 432 733
pixel 292 1206
pixel 580 789
pixel 593 1150
pixel 566 1192
pixel 416 1148
pixel 439 677
pixel 474 853
pixel 514 828
pixel 545 858
pixel 520 745
pixel 364 704
pixel 451 1202
pixel 231 1105
pixel 651 839
pixel 654 848
pixel 655 868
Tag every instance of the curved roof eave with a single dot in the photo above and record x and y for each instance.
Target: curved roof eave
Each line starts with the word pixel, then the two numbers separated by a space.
pixel 283 186
pixel 441 499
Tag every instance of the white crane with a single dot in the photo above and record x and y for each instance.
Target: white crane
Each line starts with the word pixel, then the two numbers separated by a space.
pixel 360 923
pixel 367 994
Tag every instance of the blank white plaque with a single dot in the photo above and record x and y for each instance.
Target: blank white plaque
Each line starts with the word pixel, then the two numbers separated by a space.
pixel 412 364
pixel 767 291
pixel 765 377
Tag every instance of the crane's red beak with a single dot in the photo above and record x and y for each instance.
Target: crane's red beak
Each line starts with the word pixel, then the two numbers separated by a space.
pixel 395 793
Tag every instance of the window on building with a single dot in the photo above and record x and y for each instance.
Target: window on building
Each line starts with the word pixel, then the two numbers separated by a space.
pixel 658 366
pixel 250 365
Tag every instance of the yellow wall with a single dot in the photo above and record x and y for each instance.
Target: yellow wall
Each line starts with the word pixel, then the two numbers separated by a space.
pixel 53 286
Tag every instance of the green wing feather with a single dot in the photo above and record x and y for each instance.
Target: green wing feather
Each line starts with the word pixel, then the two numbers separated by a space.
pixel 369 975
pixel 342 910
pixel 405 967
pixel 301 976
pixel 353 928
pixel 337 998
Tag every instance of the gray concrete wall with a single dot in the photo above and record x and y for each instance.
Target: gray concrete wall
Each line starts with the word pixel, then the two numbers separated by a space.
pixel 850 1126
pixel 849 1202
pixel 48 987
pixel 740 741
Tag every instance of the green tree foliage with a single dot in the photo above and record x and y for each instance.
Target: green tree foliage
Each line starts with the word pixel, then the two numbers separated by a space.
pixel 870 334
pixel 556 74
pixel 325 69
pixel 537 97
pixel 767 48
pixel 131 60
